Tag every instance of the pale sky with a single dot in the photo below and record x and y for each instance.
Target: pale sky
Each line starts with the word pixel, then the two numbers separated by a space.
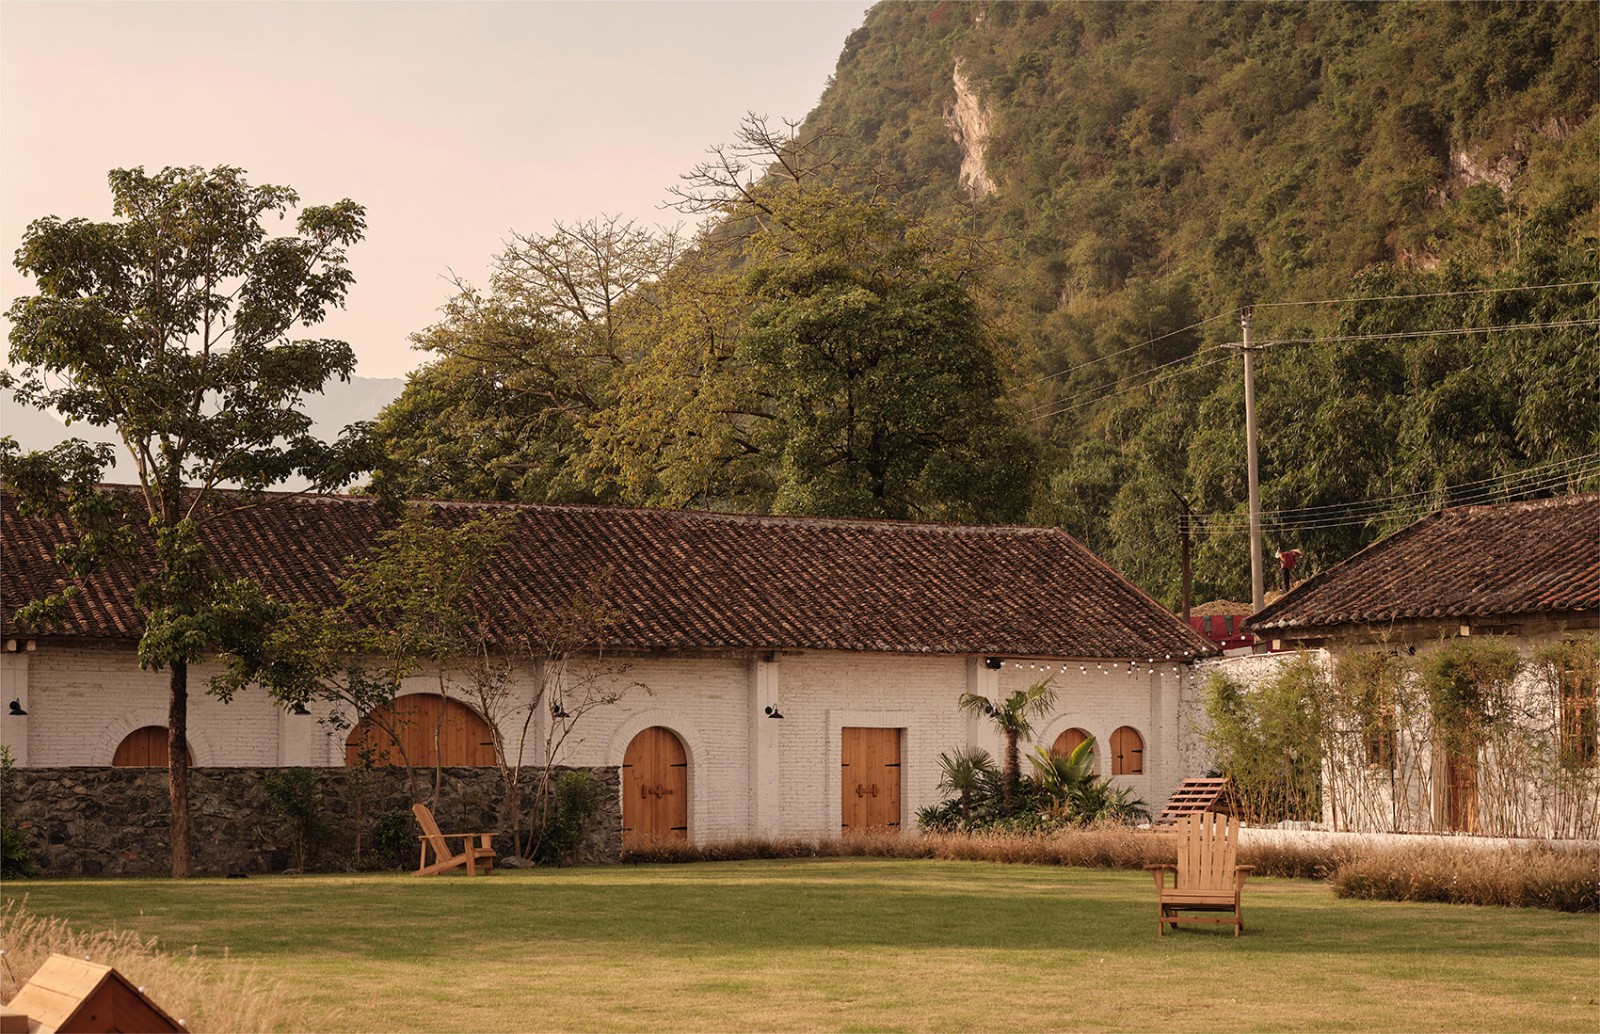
pixel 454 123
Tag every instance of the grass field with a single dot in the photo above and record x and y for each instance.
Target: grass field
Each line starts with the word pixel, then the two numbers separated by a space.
pixel 854 944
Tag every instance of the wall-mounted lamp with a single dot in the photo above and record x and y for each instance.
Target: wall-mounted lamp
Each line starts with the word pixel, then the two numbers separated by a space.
pixel 993 663
pixel 773 712
pixel 16 710
pixel 298 708
pixel 557 711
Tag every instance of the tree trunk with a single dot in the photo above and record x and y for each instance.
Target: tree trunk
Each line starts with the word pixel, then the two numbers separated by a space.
pixel 1013 764
pixel 178 769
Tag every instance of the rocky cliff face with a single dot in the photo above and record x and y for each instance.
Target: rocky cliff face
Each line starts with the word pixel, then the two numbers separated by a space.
pixel 969 127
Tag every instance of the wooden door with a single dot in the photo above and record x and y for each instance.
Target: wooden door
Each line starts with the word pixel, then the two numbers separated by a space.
pixel 655 789
pixel 870 781
pixel 1461 793
pixel 144 748
pixel 1127 751
pixel 430 730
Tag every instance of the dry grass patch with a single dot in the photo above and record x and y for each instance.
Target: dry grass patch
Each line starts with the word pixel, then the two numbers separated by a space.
pixel 1566 879
pixel 207 995
pixel 1521 877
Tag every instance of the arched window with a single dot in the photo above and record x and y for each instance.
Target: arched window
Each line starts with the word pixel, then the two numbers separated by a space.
pixel 144 748
pixel 1127 751
pixel 419 728
pixel 1069 741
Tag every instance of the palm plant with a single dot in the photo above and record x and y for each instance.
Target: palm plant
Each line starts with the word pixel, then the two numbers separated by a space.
pixel 1012 716
pixel 1077 794
pixel 965 772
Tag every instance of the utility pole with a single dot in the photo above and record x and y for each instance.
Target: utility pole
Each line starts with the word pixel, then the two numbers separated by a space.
pixel 1187 512
pixel 1258 595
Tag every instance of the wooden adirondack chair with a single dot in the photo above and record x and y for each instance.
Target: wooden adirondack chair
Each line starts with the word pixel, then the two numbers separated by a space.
pixel 474 857
pixel 1206 878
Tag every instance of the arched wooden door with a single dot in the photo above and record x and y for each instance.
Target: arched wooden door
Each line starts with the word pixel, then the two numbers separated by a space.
pixel 655 789
pixel 1069 741
pixel 428 727
pixel 1127 751
pixel 144 748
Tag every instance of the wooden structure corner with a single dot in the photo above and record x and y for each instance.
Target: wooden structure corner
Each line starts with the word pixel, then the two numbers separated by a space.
pixel 75 996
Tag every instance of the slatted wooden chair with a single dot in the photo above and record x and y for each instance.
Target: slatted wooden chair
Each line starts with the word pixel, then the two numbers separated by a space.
pixel 1205 878
pixel 474 857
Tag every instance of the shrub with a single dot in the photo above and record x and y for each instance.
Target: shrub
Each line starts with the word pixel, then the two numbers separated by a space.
pixel 578 795
pixel 394 840
pixel 1536 876
pixel 295 795
pixel 205 994
pixel 16 861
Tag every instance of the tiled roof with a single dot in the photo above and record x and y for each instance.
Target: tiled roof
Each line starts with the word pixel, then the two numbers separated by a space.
pixel 690 581
pixel 1539 557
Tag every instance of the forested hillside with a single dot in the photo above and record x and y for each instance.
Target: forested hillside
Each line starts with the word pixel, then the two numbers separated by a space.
pixel 993 275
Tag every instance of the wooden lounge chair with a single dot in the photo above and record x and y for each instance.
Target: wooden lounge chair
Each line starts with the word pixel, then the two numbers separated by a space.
pixel 1206 878
pixel 475 857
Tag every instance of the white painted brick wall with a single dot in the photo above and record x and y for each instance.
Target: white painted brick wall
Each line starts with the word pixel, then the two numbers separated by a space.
pixel 83 701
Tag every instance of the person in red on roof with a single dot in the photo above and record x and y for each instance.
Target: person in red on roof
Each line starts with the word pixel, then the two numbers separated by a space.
pixel 1288 558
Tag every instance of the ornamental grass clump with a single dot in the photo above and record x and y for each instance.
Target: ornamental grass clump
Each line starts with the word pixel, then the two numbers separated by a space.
pixel 206 995
pixel 1536 876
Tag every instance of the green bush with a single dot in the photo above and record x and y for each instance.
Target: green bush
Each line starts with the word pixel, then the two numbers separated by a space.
pixel 577 797
pixel 16 861
pixel 394 840
pixel 295 795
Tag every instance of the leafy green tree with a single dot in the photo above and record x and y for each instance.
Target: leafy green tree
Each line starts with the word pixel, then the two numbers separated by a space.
pixel 885 391
pixel 524 368
pixel 172 324
pixel 1013 717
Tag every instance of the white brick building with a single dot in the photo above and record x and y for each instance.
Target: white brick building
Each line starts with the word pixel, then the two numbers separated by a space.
pixel 837 626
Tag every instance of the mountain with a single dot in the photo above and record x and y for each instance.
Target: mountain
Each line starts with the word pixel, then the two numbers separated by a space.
pixel 1405 197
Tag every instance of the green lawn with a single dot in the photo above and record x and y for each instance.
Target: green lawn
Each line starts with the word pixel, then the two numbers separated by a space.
pixel 855 944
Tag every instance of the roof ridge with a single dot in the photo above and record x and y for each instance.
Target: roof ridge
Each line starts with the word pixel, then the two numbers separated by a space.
pixel 815 520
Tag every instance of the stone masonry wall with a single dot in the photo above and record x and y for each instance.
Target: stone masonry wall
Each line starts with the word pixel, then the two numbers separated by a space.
pixel 114 821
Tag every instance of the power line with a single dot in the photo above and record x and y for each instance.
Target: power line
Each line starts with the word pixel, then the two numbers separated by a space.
pixel 1121 387
pixel 1401 335
pixel 1526 482
pixel 1314 302
pixel 1432 294
pixel 1356 517
pixel 1123 351
pixel 1466 486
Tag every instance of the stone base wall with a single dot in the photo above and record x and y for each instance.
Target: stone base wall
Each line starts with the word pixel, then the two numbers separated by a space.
pixel 115 821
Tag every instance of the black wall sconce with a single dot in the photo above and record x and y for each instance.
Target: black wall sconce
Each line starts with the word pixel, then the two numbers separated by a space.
pixel 297 708
pixel 993 663
pixel 557 711
pixel 16 710
pixel 773 712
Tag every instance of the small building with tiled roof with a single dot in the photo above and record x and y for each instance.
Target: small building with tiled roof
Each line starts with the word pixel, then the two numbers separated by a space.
pixel 1458 596
pixel 762 654
pixel 1517 568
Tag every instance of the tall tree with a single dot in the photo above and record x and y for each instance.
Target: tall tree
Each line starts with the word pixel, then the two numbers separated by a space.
pixel 172 324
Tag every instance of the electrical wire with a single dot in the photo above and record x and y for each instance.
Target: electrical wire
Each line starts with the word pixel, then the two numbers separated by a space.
pixel 1123 351
pixel 1358 516
pixel 1402 335
pixel 1527 482
pixel 1314 302
pixel 1092 396
pixel 1432 294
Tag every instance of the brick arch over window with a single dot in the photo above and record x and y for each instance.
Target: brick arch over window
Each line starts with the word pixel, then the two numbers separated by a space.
pixel 1069 741
pixel 1127 751
pixel 430 730
pixel 145 747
